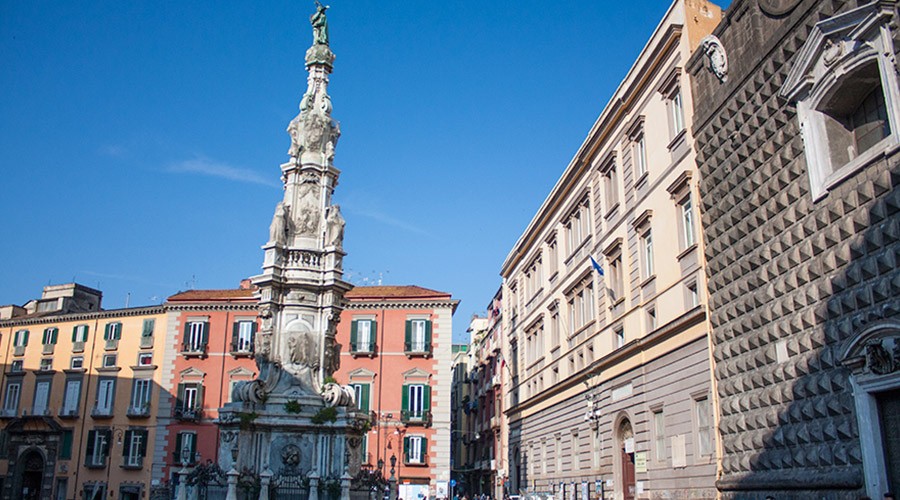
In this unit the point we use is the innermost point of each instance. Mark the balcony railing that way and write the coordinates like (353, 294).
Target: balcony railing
(19, 350)
(182, 458)
(48, 348)
(77, 346)
(68, 413)
(417, 348)
(133, 463)
(8, 413)
(97, 412)
(147, 341)
(242, 348)
(139, 411)
(95, 462)
(41, 412)
(189, 413)
(363, 348)
(112, 344)
(414, 417)
(193, 350)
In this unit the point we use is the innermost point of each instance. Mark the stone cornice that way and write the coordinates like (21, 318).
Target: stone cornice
(401, 304)
(84, 316)
(212, 307)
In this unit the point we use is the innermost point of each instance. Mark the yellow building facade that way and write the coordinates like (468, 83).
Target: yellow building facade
(79, 390)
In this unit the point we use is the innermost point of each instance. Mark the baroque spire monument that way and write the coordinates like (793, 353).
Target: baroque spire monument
(293, 420)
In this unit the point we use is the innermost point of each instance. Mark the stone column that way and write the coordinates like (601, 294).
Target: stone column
(345, 486)
(265, 479)
(313, 486)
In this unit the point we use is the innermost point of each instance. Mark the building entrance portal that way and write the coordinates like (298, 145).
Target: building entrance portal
(889, 413)
(32, 475)
(626, 444)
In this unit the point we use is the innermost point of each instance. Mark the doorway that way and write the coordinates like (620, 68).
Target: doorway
(626, 448)
(889, 414)
(32, 475)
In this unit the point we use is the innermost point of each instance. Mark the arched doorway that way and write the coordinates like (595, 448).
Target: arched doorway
(626, 460)
(32, 473)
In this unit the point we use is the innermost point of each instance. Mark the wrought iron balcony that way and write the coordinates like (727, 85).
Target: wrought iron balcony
(77, 346)
(112, 344)
(68, 413)
(48, 348)
(141, 411)
(363, 348)
(412, 417)
(417, 348)
(133, 462)
(97, 412)
(189, 349)
(95, 462)
(147, 341)
(19, 350)
(188, 413)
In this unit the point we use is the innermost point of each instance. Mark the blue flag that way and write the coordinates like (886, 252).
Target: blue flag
(596, 266)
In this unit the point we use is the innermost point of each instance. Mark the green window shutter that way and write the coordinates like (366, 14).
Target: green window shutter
(193, 448)
(252, 335)
(235, 335)
(118, 331)
(179, 401)
(428, 335)
(406, 449)
(372, 334)
(149, 324)
(364, 397)
(55, 336)
(187, 334)
(408, 334)
(426, 398)
(405, 398)
(177, 452)
(107, 442)
(65, 447)
(354, 335)
(199, 402)
(26, 338)
(89, 448)
(206, 333)
(74, 333)
(45, 335)
(126, 446)
(424, 450)
(144, 437)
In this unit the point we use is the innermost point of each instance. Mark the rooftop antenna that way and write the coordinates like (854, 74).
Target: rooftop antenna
(127, 299)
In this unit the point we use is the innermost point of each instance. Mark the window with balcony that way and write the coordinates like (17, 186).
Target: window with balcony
(189, 404)
(79, 337)
(134, 448)
(196, 338)
(140, 398)
(415, 450)
(416, 404)
(185, 448)
(71, 398)
(106, 394)
(49, 339)
(147, 332)
(97, 448)
(362, 336)
(11, 400)
(20, 341)
(242, 336)
(112, 333)
(418, 336)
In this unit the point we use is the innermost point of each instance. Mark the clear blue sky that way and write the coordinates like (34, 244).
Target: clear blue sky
(141, 141)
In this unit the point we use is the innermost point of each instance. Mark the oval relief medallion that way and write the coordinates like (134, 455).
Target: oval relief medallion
(777, 7)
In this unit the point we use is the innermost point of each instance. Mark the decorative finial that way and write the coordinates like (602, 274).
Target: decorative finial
(319, 24)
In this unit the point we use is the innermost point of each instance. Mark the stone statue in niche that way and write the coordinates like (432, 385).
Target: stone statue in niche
(334, 227)
(278, 228)
(332, 356)
(879, 359)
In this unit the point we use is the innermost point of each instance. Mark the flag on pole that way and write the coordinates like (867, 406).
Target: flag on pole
(596, 266)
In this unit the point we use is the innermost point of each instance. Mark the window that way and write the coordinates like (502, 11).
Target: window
(109, 361)
(651, 319)
(580, 299)
(149, 325)
(106, 394)
(362, 336)
(71, 398)
(113, 331)
(243, 335)
(62, 488)
(616, 277)
(185, 448)
(11, 401)
(79, 337)
(190, 401)
(135, 447)
(418, 336)
(659, 435)
(17, 366)
(554, 330)
(361, 392)
(619, 334)
(46, 364)
(20, 338)
(687, 222)
(845, 87)
(196, 335)
(676, 111)
(610, 186)
(140, 397)
(416, 403)
(640, 155)
(50, 336)
(704, 434)
(692, 295)
(145, 359)
(415, 449)
(94, 491)
(647, 254)
(97, 448)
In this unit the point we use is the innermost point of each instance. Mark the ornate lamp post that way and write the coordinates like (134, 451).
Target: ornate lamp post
(393, 480)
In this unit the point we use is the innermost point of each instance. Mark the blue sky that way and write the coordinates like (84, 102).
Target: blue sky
(141, 141)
